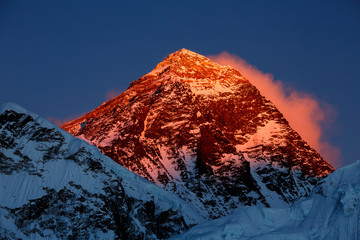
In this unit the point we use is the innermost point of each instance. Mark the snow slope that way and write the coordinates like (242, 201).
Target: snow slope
(331, 212)
(55, 186)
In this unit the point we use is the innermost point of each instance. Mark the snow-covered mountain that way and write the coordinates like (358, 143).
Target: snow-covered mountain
(332, 212)
(205, 133)
(55, 186)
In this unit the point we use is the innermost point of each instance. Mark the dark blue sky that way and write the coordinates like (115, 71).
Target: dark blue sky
(60, 58)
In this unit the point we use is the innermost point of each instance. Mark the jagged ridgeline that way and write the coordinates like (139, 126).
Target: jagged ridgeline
(55, 186)
(205, 133)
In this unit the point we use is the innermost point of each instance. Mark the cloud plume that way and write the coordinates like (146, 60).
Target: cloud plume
(304, 112)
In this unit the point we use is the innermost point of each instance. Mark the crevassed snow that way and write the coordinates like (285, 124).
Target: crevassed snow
(331, 212)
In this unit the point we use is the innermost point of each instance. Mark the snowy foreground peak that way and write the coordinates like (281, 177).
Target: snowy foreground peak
(331, 212)
(13, 107)
(55, 186)
(205, 133)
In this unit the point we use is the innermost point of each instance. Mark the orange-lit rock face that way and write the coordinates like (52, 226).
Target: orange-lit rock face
(203, 131)
(305, 113)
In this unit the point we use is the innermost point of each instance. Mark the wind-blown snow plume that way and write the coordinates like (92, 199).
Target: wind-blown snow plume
(303, 111)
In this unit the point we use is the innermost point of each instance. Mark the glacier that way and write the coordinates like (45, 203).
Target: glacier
(331, 212)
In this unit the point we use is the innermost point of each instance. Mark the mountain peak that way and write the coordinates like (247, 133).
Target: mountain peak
(186, 59)
(185, 51)
(12, 107)
(204, 132)
(189, 55)
(196, 71)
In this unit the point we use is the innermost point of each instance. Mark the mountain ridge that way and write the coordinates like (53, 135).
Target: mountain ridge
(160, 69)
(204, 132)
(55, 186)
